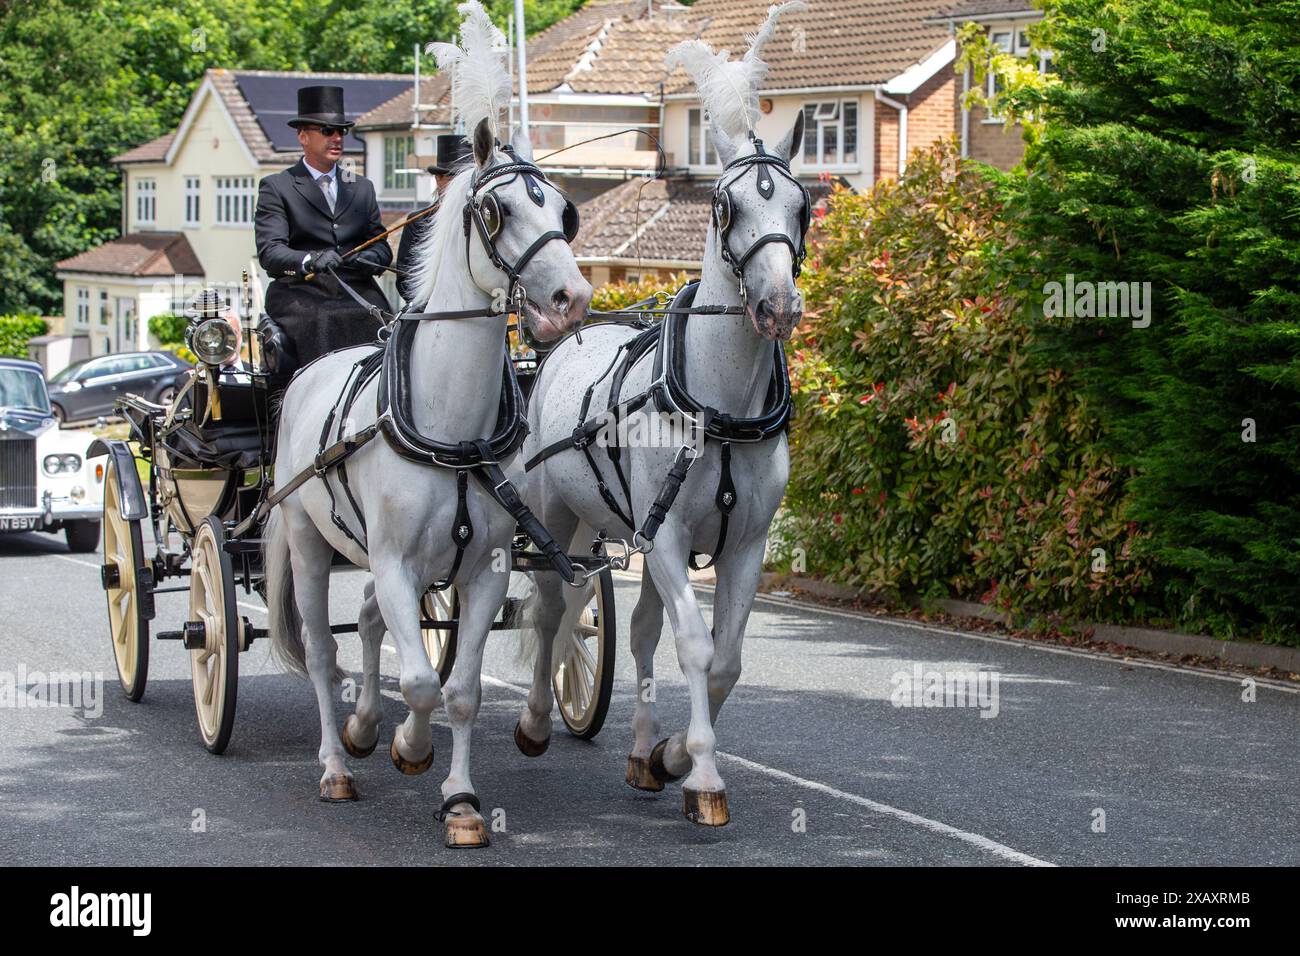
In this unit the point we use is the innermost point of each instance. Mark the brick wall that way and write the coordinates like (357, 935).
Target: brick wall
(886, 159)
(931, 110)
(993, 143)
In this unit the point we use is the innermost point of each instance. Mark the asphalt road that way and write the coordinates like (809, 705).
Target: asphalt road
(1184, 770)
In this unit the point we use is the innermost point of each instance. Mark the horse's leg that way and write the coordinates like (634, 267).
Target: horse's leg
(398, 596)
(703, 792)
(480, 600)
(310, 556)
(739, 570)
(647, 625)
(558, 609)
(361, 729)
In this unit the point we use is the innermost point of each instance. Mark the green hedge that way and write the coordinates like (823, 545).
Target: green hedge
(619, 295)
(932, 453)
(168, 328)
(17, 330)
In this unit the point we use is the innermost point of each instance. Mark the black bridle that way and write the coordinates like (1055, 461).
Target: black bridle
(488, 215)
(763, 163)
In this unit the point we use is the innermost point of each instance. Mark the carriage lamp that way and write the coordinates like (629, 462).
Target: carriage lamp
(61, 464)
(214, 342)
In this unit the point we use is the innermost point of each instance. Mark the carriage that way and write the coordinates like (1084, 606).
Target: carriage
(197, 474)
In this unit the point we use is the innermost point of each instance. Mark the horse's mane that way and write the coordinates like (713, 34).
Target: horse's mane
(436, 246)
(729, 88)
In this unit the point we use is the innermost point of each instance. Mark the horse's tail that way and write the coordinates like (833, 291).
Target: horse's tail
(285, 625)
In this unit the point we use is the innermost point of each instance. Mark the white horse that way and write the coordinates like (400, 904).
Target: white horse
(728, 365)
(409, 509)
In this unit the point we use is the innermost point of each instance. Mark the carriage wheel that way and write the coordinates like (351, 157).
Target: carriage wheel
(583, 664)
(440, 642)
(123, 562)
(214, 651)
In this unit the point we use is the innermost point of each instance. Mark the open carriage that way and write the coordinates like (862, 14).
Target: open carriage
(184, 498)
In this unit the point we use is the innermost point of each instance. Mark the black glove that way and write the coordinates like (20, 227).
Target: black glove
(324, 261)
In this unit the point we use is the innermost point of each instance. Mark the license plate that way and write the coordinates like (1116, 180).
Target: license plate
(18, 524)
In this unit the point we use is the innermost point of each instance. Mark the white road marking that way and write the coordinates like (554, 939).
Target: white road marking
(1232, 677)
(925, 823)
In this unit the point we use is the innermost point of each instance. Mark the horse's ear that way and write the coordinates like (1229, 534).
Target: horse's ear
(722, 143)
(522, 145)
(484, 143)
(790, 144)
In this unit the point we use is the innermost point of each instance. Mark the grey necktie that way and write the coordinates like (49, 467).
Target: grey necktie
(327, 187)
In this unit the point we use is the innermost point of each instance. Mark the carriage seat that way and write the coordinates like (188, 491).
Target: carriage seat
(235, 441)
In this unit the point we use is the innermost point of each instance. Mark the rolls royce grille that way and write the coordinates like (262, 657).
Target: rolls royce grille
(18, 473)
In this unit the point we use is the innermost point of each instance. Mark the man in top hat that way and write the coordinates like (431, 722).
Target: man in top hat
(453, 151)
(308, 217)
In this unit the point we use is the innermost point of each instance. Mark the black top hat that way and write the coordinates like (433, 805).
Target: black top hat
(453, 149)
(320, 106)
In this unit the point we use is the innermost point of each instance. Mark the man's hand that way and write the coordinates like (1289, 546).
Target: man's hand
(324, 261)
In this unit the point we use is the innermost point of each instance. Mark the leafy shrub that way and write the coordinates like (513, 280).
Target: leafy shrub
(16, 330)
(932, 453)
(619, 295)
(168, 328)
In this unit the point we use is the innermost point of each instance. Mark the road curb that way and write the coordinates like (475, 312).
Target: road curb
(1238, 653)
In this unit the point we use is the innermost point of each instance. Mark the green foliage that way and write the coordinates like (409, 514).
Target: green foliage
(168, 328)
(182, 351)
(1169, 154)
(82, 81)
(619, 295)
(16, 330)
(932, 452)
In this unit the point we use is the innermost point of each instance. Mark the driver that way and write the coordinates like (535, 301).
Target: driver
(308, 217)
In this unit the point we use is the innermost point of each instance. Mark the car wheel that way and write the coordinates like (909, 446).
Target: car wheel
(82, 536)
(166, 396)
(59, 415)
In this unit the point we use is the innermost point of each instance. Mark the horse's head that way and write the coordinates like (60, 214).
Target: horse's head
(520, 227)
(760, 215)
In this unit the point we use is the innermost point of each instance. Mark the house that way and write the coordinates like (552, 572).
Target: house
(188, 200)
(986, 138)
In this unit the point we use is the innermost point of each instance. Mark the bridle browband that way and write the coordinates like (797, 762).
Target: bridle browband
(722, 209)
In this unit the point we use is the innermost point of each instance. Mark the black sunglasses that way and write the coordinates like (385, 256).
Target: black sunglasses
(328, 131)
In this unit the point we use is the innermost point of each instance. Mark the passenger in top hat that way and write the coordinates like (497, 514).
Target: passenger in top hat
(308, 217)
(453, 151)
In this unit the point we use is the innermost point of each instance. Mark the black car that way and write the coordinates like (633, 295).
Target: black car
(88, 389)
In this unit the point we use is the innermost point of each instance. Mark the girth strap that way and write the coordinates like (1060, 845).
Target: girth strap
(725, 500)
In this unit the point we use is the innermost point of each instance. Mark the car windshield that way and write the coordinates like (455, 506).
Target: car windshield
(23, 390)
(66, 374)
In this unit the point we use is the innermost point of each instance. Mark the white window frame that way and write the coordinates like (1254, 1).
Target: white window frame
(396, 151)
(235, 201)
(705, 155)
(193, 202)
(83, 305)
(146, 202)
(832, 113)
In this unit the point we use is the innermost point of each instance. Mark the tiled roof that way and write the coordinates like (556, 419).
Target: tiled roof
(618, 55)
(667, 221)
(138, 254)
(397, 111)
(151, 152)
(967, 9)
(833, 43)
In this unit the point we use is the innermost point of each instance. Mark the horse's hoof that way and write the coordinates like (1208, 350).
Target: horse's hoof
(708, 808)
(640, 776)
(351, 747)
(337, 788)
(465, 831)
(406, 766)
(657, 768)
(527, 746)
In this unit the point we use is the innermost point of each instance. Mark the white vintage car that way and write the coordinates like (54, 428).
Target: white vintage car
(47, 482)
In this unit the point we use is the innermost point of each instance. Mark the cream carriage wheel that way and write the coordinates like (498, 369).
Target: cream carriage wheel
(212, 636)
(440, 642)
(123, 563)
(583, 664)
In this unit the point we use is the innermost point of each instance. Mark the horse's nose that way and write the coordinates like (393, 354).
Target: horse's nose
(572, 302)
(777, 314)
(560, 301)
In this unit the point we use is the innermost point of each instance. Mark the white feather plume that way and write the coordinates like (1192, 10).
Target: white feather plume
(729, 88)
(480, 85)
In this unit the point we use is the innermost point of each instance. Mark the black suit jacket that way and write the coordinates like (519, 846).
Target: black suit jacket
(293, 219)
